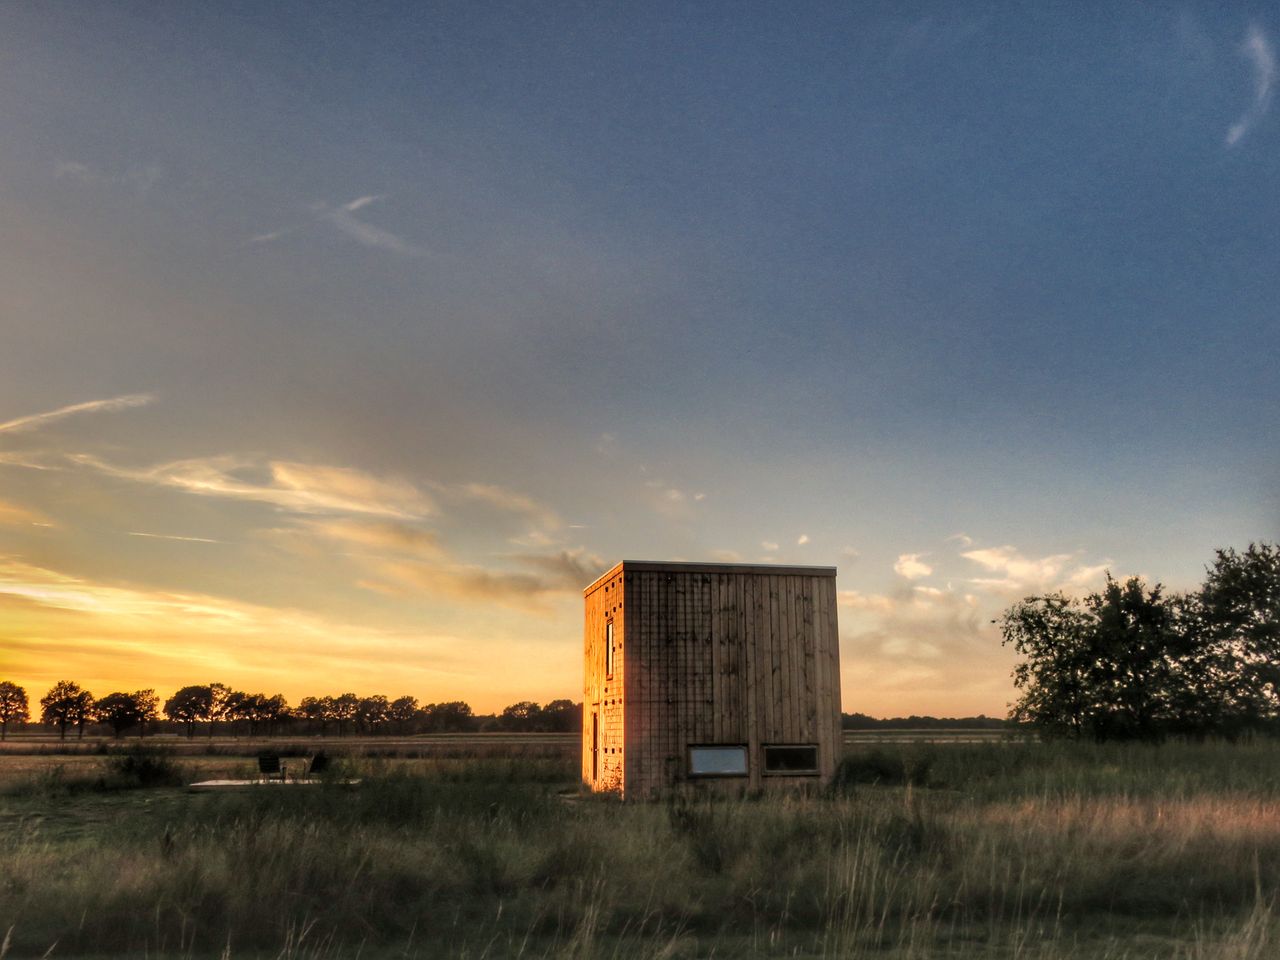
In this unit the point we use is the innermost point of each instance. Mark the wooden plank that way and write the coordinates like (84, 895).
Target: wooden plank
(791, 711)
(821, 675)
(638, 734)
(711, 657)
(782, 639)
(829, 651)
(808, 659)
(753, 671)
(734, 709)
(670, 641)
(777, 728)
(717, 627)
(680, 651)
(833, 649)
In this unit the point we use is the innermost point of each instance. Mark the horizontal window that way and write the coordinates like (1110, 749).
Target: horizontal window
(791, 758)
(718, 761)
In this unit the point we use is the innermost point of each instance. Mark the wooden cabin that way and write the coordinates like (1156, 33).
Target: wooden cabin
(707, 675)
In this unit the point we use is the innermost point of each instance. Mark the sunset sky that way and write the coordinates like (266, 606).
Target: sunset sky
(341, 345)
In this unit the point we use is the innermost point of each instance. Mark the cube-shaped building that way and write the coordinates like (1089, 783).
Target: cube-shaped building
(720, 675)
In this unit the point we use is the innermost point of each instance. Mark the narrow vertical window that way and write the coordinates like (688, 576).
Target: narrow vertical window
(608, 649)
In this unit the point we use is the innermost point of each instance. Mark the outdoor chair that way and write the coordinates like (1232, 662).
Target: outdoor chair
(269, 766)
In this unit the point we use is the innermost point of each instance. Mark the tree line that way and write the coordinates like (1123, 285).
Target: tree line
(216, 706)
(861, 721)
(1136, 663)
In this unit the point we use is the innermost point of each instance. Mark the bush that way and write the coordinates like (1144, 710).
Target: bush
(142, 767)
(878, 766)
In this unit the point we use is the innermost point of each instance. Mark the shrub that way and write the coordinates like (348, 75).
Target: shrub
(142, 767)
(878, 766)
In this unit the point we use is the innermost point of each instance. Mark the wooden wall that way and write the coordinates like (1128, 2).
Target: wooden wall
(602, 697)
(720, 654)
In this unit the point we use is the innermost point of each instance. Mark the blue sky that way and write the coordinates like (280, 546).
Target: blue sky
(429, 310)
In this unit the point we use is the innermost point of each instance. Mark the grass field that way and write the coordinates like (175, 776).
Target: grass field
(955, 850)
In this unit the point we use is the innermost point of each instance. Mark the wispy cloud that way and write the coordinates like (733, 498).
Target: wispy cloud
(12, 514)
(802, 540)
(37, 420)
(273, 235)
(367, 235)
(503, 498)
(391, 536)
(1257, 49)
(171, 536)
(359, 202)
(343, 219)
(140, 177)
(298, 487)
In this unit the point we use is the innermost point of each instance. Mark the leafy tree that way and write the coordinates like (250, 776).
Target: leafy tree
(523, 716)
(120, 711)
(66, 704)
(344, 709)
(1131, 663)
(452, 717)
(1239, 610)
(148, 705)
(189, 705)
(13, 706)
(402, 710)
(1113, 667)
(272, 711)
(373, 712)
(220, 704)
(257, 710)
(562, 716)
(316, 708)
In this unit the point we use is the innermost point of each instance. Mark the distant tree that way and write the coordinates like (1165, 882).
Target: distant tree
(220, 705)
(120, 711)
(148, 705)
(402, 711)
(373, 712)
(13, 706)
(523, 716)
(257, 711)
(275, 711)
(344, 709)
(237, 706)
(452, 717)
(315, 709)
(561, 716)
(189, 706)
(66, 704)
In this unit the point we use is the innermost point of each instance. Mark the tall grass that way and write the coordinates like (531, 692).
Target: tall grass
(982, 851)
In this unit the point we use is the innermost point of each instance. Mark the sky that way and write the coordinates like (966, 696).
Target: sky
(341, 345)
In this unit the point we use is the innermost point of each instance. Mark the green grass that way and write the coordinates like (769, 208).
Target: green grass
(1033, 851)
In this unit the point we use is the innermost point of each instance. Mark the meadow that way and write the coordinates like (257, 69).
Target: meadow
(922, 850)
